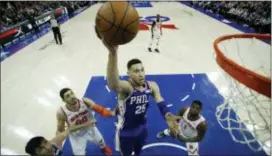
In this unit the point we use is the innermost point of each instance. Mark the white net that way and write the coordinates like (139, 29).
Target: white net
(245, 113)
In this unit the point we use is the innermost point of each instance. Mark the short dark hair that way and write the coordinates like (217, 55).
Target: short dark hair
(33, 144)
(199, 103)
(132, 62)
(63, 91)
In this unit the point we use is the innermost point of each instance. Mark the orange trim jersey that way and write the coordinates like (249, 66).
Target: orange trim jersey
(187, 127)
(82, 115)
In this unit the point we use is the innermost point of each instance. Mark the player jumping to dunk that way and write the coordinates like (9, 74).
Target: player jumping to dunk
(191, 126)
(133, 102)
(156, 33)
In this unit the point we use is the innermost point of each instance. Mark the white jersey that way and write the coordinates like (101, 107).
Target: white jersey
(79, 138)
(157, 27)
(187, 127)
(82, 115)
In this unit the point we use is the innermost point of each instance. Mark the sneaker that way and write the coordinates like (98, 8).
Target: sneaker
(157, 50)
(160, 135)
(149, 49)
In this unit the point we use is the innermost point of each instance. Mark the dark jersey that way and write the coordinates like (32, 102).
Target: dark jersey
(132, 110)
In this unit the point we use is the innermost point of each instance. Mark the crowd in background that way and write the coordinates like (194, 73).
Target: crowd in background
(13, 12)
(254, 14)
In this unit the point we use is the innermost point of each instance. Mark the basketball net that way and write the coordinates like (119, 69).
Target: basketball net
(245, 112)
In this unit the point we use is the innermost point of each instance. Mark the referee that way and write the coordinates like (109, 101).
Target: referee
(56, 29)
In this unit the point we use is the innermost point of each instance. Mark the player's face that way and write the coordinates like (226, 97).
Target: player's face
(137, 74)
(195, 109)
(46, 148)
(70, 98)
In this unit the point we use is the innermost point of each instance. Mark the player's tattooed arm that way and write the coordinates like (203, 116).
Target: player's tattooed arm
(202, 128)
(60, 121)
(98, 108)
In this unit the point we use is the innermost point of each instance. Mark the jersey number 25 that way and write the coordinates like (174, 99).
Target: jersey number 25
(140, 109)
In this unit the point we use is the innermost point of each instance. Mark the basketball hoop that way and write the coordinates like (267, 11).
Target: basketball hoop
(245, 112)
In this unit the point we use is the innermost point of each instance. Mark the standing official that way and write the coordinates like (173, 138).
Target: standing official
(56, 29)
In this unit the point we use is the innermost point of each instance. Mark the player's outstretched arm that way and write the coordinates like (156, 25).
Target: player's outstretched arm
(201, 130)
(98, 108)
(170, 118)
(159, 99)
(60, 121)
(59, 138)
(112, 71)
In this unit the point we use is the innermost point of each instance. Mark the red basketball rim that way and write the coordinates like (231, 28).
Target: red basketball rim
(251, 79)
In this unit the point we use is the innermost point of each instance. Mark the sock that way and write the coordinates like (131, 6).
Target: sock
(166, 132)
(150, 44)
(157, 44)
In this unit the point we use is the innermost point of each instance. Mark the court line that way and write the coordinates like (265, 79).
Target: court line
(107, 88)
(193, 87)
(186, 97)
(164, 144)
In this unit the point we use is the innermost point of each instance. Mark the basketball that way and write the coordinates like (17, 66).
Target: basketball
(117, 22)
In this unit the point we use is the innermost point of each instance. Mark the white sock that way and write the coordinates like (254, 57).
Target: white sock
(166, 132)
(157, 44)
(150, 44)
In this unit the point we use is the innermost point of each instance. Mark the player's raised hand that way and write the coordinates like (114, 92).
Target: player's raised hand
(171, 121)
(112, 48)
(171, 117)
(173, 128)
(113, 113)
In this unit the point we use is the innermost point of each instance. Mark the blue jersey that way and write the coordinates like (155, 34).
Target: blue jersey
(132, 110)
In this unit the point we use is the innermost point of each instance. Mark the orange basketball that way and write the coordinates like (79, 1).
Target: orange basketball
(117, 22)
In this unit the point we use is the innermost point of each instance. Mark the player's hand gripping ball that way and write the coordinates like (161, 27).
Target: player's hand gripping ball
(117, 22)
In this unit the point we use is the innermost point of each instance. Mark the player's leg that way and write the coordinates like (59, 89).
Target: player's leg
(140, 142)
(95, 136)
(150, 44)
(78, 144)
(59, 35)
(158, 36)
(192, 148)
(124, 144)
(55, 35)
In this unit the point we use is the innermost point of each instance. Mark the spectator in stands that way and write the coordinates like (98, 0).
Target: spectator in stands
(248, 13)
(56, 29)
(13, 12)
